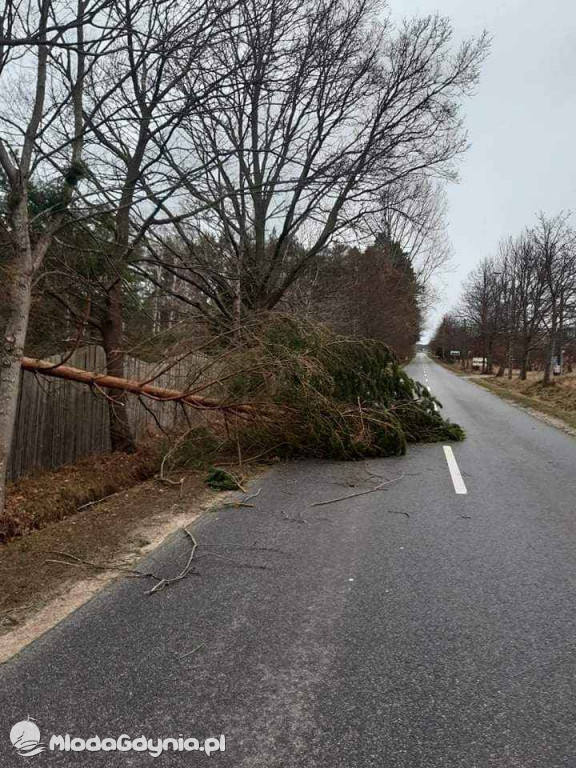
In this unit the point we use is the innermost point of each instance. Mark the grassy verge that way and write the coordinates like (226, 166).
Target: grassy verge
(557, 401)
(42, 498)
(536, 403)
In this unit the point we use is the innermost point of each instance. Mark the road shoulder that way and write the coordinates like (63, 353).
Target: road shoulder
(119, 531)
(555, 417)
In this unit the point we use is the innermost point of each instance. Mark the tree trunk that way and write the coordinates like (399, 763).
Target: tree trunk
(549, 357)
(18, 291)
(120, 433)
(524, 364)
(489, 360)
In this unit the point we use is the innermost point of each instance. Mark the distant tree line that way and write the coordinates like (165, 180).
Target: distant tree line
(518, 308)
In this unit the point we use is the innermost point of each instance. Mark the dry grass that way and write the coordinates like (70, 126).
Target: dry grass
(557, 400)
(37, 500)
(560, 394)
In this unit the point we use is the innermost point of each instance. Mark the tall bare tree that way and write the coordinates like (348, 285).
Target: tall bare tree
(335, 107)
(555, 243)
(413, 214)
(36, 43)
(135, 102)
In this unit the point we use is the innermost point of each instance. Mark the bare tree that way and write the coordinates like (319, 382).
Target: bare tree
(134, 106)
(413, 215)
(334, 108)
(555, 243)
(482, 308)
(35, 43)
(529, 296)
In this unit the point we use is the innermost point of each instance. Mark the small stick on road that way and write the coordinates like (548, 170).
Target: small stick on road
(240, 563)
(192, 651)
(355, 495)
(182, 575)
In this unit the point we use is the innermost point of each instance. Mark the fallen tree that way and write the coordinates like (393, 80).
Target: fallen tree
(290, 389)
(335, 397)
(102, 381)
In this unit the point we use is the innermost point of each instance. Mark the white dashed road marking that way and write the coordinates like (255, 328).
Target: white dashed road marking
(455, 474)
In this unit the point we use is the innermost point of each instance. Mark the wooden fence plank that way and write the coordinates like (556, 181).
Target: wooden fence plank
(59, 421)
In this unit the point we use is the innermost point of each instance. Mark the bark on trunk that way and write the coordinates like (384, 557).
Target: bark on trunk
(19, 272)
(490, 360)
(510, 358)
(121, 438)
(102, 380)
(549, 356)
(524, 363)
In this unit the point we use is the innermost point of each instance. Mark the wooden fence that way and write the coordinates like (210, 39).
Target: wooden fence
(60, 421)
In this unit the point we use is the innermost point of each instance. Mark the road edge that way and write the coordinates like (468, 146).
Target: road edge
(529, 405)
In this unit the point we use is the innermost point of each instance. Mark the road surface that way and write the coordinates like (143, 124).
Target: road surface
(428, 625)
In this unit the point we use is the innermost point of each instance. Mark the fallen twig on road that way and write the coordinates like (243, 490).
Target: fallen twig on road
(243, 502)
(182, 575)
(360, 493)
(238, 504)
(394, 512)
(232, 560)
(198, 647)
(161, 581)
(252, 496)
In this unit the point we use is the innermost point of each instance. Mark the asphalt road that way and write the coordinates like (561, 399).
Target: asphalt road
(414, 627)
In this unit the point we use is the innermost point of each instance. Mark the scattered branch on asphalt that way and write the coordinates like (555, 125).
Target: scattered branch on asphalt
(162, 582)
(379, 487)
(198, 647)
(240, 563)
(394, 512)
(243, 502)
(373, 474)
(238, 504)
(252, 496)
(182, 575)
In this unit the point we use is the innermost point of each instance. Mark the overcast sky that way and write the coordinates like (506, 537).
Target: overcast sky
(521, 123)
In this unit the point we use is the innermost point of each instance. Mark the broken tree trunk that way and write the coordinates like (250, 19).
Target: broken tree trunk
(104, 381)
